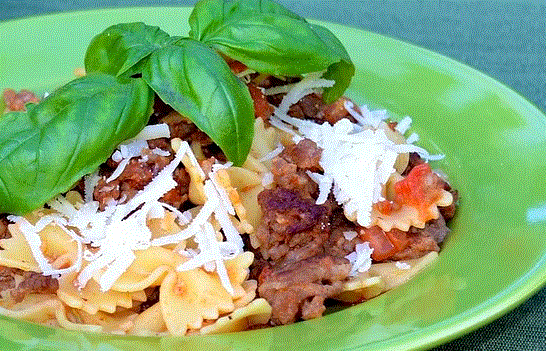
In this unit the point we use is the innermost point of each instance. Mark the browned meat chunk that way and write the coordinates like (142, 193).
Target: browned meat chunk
(338, 244)
(136, 175)
(414, 160)
(31, 283)
(17, 101)
(289, 168)
(448, 212)
(300, 261)
(286, 175)
(335, 111)
(305, 155)
(7, 277)
(311, 107)
(299, 289)
(34, 283)
(292, 227)
(423, 241)
(262, 108)
(4, 232)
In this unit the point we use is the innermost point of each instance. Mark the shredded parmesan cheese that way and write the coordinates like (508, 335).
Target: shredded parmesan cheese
(360, 259)
(350, 235)
(402, 265)
(357, 158)
(114, 234)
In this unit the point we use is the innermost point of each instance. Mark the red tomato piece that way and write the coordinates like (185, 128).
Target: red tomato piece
(262, 108)
(420, 189)
(382, 247)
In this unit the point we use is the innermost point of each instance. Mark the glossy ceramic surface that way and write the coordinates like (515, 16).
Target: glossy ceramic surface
(495, 147)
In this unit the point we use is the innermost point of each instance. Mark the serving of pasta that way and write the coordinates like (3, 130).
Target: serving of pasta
(174, 234)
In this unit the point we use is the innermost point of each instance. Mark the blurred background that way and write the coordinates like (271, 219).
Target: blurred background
(504, 39)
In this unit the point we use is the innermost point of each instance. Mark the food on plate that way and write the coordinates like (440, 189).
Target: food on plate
(213, 183)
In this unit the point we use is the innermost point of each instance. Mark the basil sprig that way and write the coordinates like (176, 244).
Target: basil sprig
(271, 39)
(198, 83)
(47, 149)
(189, 76)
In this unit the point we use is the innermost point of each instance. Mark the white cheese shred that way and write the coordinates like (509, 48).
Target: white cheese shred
(274, 153)
(357, 158)
(360, 259)
(121, 229)
(402, 265)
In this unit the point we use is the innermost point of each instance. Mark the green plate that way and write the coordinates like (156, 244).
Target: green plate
(495, 147)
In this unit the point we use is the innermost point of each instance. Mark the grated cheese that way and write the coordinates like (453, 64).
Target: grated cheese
(154, 131)
(114, 234)
(402, 265)
(360, 259)
(403, 125)
(135, 146)
(274, 153)
(267, 179)
(357, 158)
(90, 182)
(32, 236)
(350, 235)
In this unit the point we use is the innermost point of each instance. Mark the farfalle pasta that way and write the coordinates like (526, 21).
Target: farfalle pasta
(192, 226)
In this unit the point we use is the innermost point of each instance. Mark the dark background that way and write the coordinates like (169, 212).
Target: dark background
(504, 39)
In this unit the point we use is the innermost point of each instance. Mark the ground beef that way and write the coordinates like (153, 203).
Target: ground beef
(289, 168)
(292, 227)
(17, 101)
(31, 283)
(138, 174)
(299, 289)
(338, 245)
(300, 260)
(286, 175)
(34, 283)
(152, 297)
(448, 212)
(184, 129)
(7, 277)
(305, 155)
(423, 241)
(4, 232)
(312, 107)
(414, 160)
(262, 108)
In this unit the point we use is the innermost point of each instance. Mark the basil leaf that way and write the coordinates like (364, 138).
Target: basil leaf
(48, 148)
(209, 15)
(341, 72)
(2, 106)
(120, 47)
(270, 39)
(198, 83)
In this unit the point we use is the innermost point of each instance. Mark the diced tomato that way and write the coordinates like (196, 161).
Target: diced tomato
(262, 108)
(420, 189)
(236, 66)
(17, 101)
(398, 238)
(382, 247)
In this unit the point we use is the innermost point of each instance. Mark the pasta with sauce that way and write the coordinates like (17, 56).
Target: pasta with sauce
(295, 245)
(329, 203)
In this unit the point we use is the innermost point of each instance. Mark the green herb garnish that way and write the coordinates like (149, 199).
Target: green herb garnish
(48, 148)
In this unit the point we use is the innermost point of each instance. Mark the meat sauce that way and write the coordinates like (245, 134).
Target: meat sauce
(300, 262)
